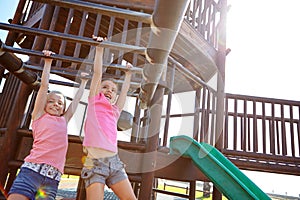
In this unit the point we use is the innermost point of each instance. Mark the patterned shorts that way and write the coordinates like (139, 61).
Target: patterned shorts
(107, 171)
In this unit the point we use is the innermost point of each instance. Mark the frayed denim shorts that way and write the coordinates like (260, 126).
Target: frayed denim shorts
(107, 171)
(34, 185)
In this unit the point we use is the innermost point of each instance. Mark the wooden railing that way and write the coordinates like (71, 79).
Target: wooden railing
(265, 130)
(204, 17)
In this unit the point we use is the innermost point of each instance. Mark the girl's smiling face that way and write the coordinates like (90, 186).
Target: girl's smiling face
(109, 89)
(55, 104)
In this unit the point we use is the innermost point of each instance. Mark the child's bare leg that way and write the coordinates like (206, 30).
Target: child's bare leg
(17, 197)
(123, 190)
(95, 191)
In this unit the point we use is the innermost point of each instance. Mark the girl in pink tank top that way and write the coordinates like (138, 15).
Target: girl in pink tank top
(102, 164)
(43, 167)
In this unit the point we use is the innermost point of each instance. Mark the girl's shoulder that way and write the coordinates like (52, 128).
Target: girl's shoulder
(47, 116)
(97, 96)
(40, 117)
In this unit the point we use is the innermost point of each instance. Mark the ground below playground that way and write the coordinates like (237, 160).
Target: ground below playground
(68, 186)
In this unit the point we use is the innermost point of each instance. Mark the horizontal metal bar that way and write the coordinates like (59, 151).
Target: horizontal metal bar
(63, 83)
(40, 54)
(59, 71)
(51, 34)
(123, 68)
(64, 58)
(74, 73)
(101, 9)
(124, 47)
(190, 75)
(72, 38)
(134, 85)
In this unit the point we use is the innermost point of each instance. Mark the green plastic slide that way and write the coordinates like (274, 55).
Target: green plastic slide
(229, 180)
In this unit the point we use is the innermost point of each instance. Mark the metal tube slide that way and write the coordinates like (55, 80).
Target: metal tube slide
(166, 21)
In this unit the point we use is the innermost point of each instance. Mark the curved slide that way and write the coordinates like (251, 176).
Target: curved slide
(233, 183)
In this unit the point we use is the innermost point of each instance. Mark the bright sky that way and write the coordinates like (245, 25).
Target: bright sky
(263, 36)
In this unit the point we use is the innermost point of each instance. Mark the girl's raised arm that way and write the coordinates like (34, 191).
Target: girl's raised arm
(41, 98)
(125, 87)
(98, 64)
(74, 104)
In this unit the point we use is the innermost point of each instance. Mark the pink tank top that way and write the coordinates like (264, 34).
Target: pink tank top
(50, 141)
(101, 124)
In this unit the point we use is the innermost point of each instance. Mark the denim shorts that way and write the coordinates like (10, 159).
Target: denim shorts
(34, 185)
(107, 171)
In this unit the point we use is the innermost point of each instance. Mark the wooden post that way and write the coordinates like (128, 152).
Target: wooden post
(221, 56)
(152, 144)
(192, 193)
(10, 138)
(39, 42)
(16, 20)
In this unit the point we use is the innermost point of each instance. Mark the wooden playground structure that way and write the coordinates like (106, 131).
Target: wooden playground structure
(177, 49)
